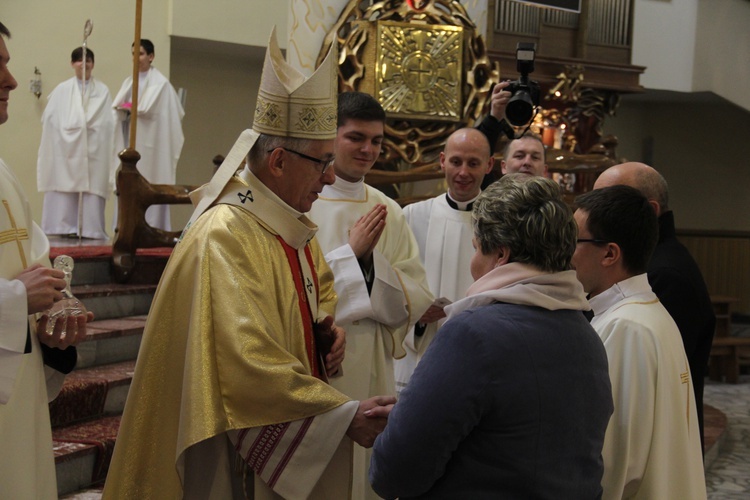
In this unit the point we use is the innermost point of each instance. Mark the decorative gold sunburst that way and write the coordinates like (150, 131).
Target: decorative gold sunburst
(419, 71)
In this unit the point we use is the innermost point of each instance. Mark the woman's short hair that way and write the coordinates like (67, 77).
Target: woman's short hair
(528, 216)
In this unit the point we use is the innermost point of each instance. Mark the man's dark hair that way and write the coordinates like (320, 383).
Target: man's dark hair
(4, 31)
(77, 55)
(622, 215)
(147, 45)
(359, 106)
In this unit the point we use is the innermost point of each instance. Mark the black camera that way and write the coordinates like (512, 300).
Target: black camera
(525, 92)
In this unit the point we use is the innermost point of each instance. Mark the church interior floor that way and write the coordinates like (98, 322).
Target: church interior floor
(728, 476)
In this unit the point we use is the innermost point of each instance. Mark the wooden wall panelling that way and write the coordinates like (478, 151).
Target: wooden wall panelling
(724, 260)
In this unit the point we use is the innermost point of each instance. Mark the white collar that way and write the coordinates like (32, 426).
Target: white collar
(618, 292)
(343, 190)
(463, 205)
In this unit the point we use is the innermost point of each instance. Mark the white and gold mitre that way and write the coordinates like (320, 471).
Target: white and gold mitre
(290, 105)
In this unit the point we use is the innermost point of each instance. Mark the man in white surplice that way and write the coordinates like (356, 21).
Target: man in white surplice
(75, 154)
(443, 230)
(32, 362)
(159, 138)
(652, 445)
(377, 271)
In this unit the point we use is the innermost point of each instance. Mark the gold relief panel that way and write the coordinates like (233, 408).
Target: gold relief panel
(419, 70)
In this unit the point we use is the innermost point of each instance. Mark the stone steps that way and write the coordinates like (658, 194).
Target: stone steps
(129, 299)
(83, 452)
(111, 340)
(86, 414)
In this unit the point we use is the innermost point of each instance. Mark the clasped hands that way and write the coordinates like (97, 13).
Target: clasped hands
(44, 287)
(370, 419)
(366, 232)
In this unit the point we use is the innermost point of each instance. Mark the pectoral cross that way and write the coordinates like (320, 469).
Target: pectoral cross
(14, 234)
(685, 378)
(247, 196)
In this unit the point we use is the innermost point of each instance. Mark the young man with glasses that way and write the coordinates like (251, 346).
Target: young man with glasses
(374, 257)
(652, 445)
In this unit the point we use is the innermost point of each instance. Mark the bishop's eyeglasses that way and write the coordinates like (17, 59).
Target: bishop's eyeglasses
(324, 165)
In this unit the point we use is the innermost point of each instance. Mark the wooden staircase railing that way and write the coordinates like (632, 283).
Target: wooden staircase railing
(134, 195)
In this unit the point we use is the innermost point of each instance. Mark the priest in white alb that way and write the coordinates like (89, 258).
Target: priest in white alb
(74, 167)
(159, 139)
(32, 362)
(443, 229)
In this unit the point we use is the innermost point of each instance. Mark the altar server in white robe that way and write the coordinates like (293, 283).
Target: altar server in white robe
(74, 165)
(159, 136)
(652, 445)
(443, 230)
(27, 286)
(377, 271)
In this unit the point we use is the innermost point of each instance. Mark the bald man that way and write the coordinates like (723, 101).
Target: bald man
(673, 273)
(443, 230)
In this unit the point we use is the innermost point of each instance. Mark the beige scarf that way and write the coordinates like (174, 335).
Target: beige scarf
(522, 284)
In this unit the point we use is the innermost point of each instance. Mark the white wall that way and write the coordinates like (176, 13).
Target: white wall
(694, 45)
(664, 42)
(246, 22)
(722, 56)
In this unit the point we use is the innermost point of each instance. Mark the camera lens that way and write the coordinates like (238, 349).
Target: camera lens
(519, 109)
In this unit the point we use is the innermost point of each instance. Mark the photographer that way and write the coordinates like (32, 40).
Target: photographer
(512, 104)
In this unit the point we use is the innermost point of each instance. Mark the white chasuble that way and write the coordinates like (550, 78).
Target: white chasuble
(375, 323)
(444, 237)
(26, 462)
(652, 445)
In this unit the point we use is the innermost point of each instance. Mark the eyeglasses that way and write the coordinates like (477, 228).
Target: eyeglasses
(324, 164)
(591, 240)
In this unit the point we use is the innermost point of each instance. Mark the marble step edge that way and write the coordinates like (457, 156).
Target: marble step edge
(111, 289)
(76, 459)
(115, 374)
(115, 327)
(90, 393)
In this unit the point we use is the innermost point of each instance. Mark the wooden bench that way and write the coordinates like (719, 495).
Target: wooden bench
(726, 354)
